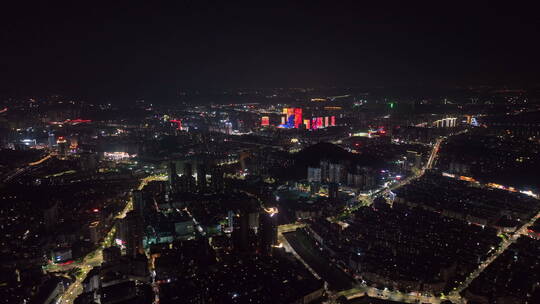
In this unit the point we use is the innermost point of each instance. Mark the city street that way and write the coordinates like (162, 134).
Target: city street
(29, 166)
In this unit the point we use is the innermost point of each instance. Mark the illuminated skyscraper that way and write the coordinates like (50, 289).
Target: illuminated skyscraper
(130, 231)
(292, 119)
(319, 122)
(297, 117)
(265, 121)
(62, 146)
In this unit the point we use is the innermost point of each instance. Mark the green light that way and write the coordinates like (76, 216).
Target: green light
(392, 104)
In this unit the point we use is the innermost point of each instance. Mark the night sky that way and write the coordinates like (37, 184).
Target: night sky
(135, 51)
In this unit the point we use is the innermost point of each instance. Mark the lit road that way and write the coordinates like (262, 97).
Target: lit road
(41, 160)
(95, 258)
(28, 166)
(433, 154)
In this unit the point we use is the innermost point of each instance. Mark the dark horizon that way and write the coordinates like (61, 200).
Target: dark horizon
(149, 51)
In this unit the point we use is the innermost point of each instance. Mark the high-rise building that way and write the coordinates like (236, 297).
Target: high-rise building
(51, 140)
(201, 176)
(62, 146)
(448, 122)
(241, 233)
(187, 183)
(93, 231)
(325, 173)
(50, 215)
(333, 190)
(138, 202)
(297, 117)
(319, 122)
(111, 254)
(265, 121)
(188, 169)
(172, 176)
(217, 181)
(336, 173)
(267, 232)
(230, 220)
(414, 160)
(254, 220)
(314, 174)
(130, 231)
(292, 118)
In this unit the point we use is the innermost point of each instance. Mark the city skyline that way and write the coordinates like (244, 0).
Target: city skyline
(154, 51)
